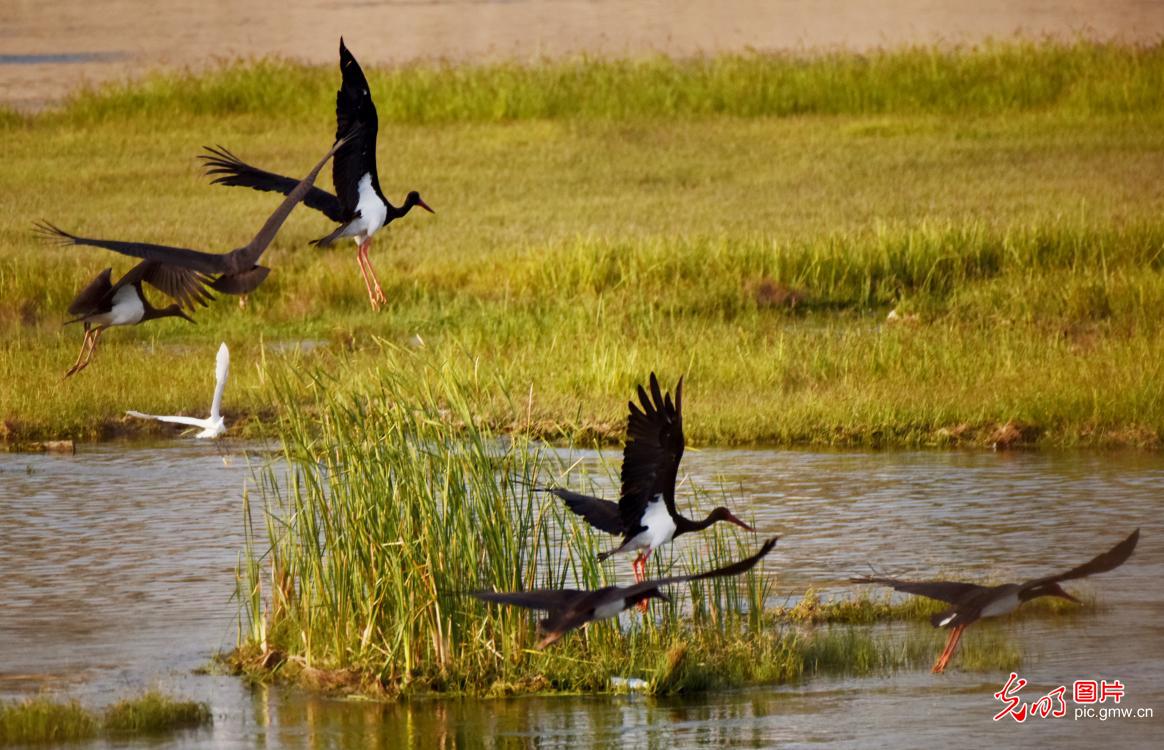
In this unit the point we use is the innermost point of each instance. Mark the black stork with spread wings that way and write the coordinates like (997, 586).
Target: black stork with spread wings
(103, 304)
(645, 515)
(358, 206)
(969, 602)
(237, 272)
(571, 608)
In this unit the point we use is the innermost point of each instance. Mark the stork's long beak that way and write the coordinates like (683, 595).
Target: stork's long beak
(740, 523)
(424, 205)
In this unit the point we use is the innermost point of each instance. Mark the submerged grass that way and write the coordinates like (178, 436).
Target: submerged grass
(44, 720)
(748, 221)
(400, 502)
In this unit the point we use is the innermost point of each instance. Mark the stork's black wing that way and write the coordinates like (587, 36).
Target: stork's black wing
(654, 447)
(195, 260)
(354, 107)
(548, 600)
(228, 169)
(93, 295)
(601, 514)
(188, 288)
(1110, 560)
(950, 592)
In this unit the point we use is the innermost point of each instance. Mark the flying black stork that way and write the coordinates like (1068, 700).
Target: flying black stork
(103, 304)
(571, 608)
(645, 514)
(358, 206)
(969, 602)
(237, 271)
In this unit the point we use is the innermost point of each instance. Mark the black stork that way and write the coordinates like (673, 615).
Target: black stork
(571, 608)
(969, 602)
(103, 304)
(238, 271)
(645, 514)
(358, 206)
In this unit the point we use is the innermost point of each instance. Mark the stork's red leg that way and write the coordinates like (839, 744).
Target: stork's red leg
(644, 604)
(951, 647)
(87, 357)
(80, 355)
(380, 298)
(362, 259)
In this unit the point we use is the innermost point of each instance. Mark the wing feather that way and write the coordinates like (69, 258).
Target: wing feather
(189, 421)
(228, 169)
(91, 297)
(354, 108)
(601, 514)
(1110, 560)
(654, 448)
(548, 600)
(950, 592)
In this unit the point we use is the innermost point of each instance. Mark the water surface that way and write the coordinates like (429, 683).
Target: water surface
(117, 571)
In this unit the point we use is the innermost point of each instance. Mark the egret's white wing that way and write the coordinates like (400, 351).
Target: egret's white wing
(223, 366)
(191, 421)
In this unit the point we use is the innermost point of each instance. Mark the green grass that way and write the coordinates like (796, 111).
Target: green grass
(864, 608)
(1083, 77)
(746, 221)
(400, 502)
(154, 712)
(44, 720)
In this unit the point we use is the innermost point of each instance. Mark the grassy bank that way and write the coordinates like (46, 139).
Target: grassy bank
(747, 221)
(43, 720)
(400, 503)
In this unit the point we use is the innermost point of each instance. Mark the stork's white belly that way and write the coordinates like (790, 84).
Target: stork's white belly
(606, 611)
(127, 309)
(372, 210)
(1003, 606)
(660, 527)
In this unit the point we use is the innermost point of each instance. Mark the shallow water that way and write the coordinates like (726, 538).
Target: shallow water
(116, 39)
(117, 570)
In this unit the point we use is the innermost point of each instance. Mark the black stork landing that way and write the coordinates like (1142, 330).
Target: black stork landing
(571, 608)
(969, 602)
(645, 514)
(238, 272)
(359, 206)
(103, 304)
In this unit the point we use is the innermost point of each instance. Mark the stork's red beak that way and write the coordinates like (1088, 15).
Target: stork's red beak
(740, 523)
(424, 205)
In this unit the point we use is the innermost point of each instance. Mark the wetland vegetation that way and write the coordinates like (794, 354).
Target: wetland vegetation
(45, 720)
(748, 220)
(400, 502)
